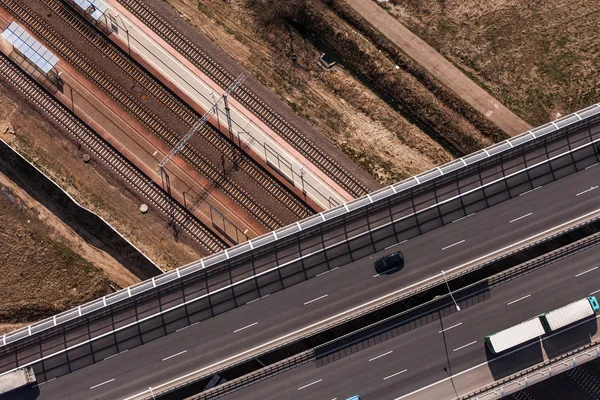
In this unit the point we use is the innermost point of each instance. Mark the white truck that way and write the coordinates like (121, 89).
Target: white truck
(16, 379)
(569, 314)
(515, 335)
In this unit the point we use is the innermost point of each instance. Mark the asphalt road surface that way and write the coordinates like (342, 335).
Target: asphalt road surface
(450, 344)
(296, 310)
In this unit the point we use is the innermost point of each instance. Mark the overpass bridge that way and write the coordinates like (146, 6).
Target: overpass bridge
(448, 218)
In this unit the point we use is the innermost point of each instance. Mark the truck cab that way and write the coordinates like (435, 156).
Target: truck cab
(355, 397)
(594, 303)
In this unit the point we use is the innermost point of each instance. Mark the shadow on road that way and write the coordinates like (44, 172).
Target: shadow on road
(504, 364)
(570, 339)
(26, 393)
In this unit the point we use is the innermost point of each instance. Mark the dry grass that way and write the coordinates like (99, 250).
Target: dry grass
(93, 186)
(41, 274)
(372, 133)
(539, 58)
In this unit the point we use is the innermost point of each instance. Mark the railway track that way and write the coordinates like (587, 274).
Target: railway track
(185, 113)
(149, 119)
(246, 97)
(104, 152)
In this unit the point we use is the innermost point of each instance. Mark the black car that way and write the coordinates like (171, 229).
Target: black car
(389, 262)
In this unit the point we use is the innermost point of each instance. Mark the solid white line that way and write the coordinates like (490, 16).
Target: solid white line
(450, 327)
(516, 219)
(175, 355)
(393, 375)
(43, 383)
(389, 247)
(326, 272)
(466, 345)
(452, 245)
(305, 386)
(585, 191)
(592, 166)
(381, 355)
(103, 383)
(318, 298)
(246, 327)
(185, 327)
(595, 292)
(311, 326)
(522, 298)
(114, 355)
(252, 301)
(195, 263)
(585, 272)
(488, 362)
(461, 218)
(529, 191)
(358, 307)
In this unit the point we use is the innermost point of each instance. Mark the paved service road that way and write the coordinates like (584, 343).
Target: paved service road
(437, 65)
(452, 342)
(295, 310)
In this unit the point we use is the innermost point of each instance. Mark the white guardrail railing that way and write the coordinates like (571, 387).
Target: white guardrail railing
(539, 373)
(296, 227)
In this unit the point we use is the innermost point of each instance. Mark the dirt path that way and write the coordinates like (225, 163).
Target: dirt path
(440, 67)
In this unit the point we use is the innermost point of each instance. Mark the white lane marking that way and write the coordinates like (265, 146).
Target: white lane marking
(389, 247)
(393, 375)
(185, 327)
(252, 301)
(585, 191)
(595, 292)
(519, 299)
(592, 166)
(318, 298)
(103, 383)
(350, 310)
(537, 343)
(585, 272)
(461, 218)
(175, 355)
(195, 264)
(529, 191)
(310, 384)
(450, 327)
(114, 355)
(326, 272)
(43, 383)
(246, 327)
(452, 245)
(466, 345)
(516, 219)
(381, 355)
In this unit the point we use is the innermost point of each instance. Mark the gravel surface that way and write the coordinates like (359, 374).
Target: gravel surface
(234, 68)
(171, 120)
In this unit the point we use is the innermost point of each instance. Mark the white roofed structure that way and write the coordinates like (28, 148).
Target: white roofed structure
(568, 314)
(30, 47)
(516, 335)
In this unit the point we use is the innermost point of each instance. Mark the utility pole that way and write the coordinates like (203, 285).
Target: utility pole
(200, 123)
(450, 291)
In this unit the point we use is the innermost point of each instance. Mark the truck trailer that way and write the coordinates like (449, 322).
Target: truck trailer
(16, 379)
(515, 335)
(569, 314)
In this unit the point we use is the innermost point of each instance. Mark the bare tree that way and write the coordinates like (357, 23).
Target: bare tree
(270, 11)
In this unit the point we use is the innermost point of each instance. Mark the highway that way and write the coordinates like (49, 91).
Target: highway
(451, 343)
(338, 293)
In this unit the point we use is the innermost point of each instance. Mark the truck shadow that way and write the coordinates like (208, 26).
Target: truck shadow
(565, 340)
(25, 393)
(505, 364)
(556, 344)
